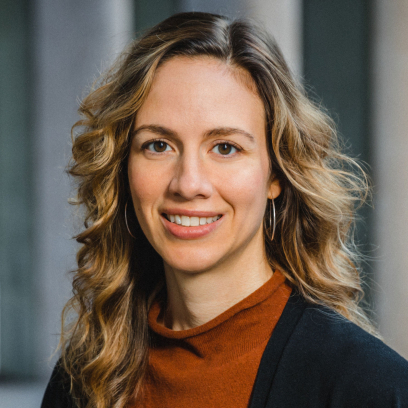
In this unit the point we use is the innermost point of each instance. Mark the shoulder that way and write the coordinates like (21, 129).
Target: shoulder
(342, 364)
(334, 338)
(57, 393)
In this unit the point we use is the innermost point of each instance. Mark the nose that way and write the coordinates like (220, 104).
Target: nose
(190, 179)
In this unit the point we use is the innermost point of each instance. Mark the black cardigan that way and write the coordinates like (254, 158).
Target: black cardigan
(315, 358)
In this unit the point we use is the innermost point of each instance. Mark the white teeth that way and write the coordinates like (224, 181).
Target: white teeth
(186, 221)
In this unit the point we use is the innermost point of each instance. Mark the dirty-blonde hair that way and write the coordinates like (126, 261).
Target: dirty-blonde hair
(105, 347)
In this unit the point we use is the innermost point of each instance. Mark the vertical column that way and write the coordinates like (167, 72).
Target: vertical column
(16, 300)
(283, 19)
(390, 167)
(336, 67)
(73, 41)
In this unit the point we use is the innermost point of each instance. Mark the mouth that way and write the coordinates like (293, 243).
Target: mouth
(187, 221)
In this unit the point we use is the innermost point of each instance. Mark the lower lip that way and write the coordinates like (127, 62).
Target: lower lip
(182, 232)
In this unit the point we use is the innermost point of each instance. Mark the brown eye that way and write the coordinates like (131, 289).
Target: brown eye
(158, 146)
(225, 149)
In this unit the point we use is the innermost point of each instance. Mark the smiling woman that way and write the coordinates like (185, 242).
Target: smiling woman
(199, 150)
(217, 267)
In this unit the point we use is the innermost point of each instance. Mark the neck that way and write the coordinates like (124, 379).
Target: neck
(195, 298)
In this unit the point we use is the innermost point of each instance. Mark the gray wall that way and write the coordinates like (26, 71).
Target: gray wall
(336, 70)
(390, 166)
(232, 8)
(16, 189)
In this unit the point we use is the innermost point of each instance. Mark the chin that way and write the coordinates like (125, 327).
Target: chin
(191, 261)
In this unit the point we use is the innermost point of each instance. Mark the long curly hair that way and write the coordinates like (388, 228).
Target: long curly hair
(105, 342)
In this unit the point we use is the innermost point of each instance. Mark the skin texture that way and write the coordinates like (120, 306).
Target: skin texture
(191, 97)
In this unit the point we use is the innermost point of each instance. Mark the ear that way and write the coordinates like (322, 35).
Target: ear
(274, 189)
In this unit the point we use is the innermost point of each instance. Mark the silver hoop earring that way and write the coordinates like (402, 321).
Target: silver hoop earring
(126, 221)
(272, 224)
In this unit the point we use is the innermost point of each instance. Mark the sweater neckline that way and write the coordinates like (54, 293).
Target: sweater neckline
(255, 298)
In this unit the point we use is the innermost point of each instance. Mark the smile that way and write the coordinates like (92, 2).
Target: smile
(186, 221)
(188, 227)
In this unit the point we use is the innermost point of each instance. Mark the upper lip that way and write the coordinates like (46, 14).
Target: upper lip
(190, 213)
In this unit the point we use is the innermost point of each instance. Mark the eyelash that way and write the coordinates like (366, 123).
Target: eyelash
(218, 143)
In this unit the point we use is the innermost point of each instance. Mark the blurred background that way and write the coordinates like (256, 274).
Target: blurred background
(352, 56)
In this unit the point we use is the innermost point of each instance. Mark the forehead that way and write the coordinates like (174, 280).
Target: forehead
(202, 91)
(240, 74)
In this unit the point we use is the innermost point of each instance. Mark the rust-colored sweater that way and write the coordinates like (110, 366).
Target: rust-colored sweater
(213, 365)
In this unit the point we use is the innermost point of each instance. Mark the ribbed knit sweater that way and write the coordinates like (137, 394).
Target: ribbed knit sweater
(215, 364)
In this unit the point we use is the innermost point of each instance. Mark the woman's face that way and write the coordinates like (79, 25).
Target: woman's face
(198, 166)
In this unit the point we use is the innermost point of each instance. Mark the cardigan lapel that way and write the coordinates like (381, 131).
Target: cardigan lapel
(274, 349)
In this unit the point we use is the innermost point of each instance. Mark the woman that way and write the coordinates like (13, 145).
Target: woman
(217, 266)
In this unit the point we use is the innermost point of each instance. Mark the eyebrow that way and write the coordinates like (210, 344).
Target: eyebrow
(220, 131)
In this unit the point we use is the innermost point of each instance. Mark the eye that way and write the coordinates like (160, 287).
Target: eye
(225, 149)
(158, 146)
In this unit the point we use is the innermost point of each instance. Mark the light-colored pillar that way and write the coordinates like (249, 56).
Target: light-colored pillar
(74, 40)
(283, 19)
(390, 168)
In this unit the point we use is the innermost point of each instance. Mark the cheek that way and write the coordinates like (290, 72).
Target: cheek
(246, 190)
(146, 186)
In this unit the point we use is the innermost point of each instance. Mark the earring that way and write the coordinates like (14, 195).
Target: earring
(272, 225)
(126, 221)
